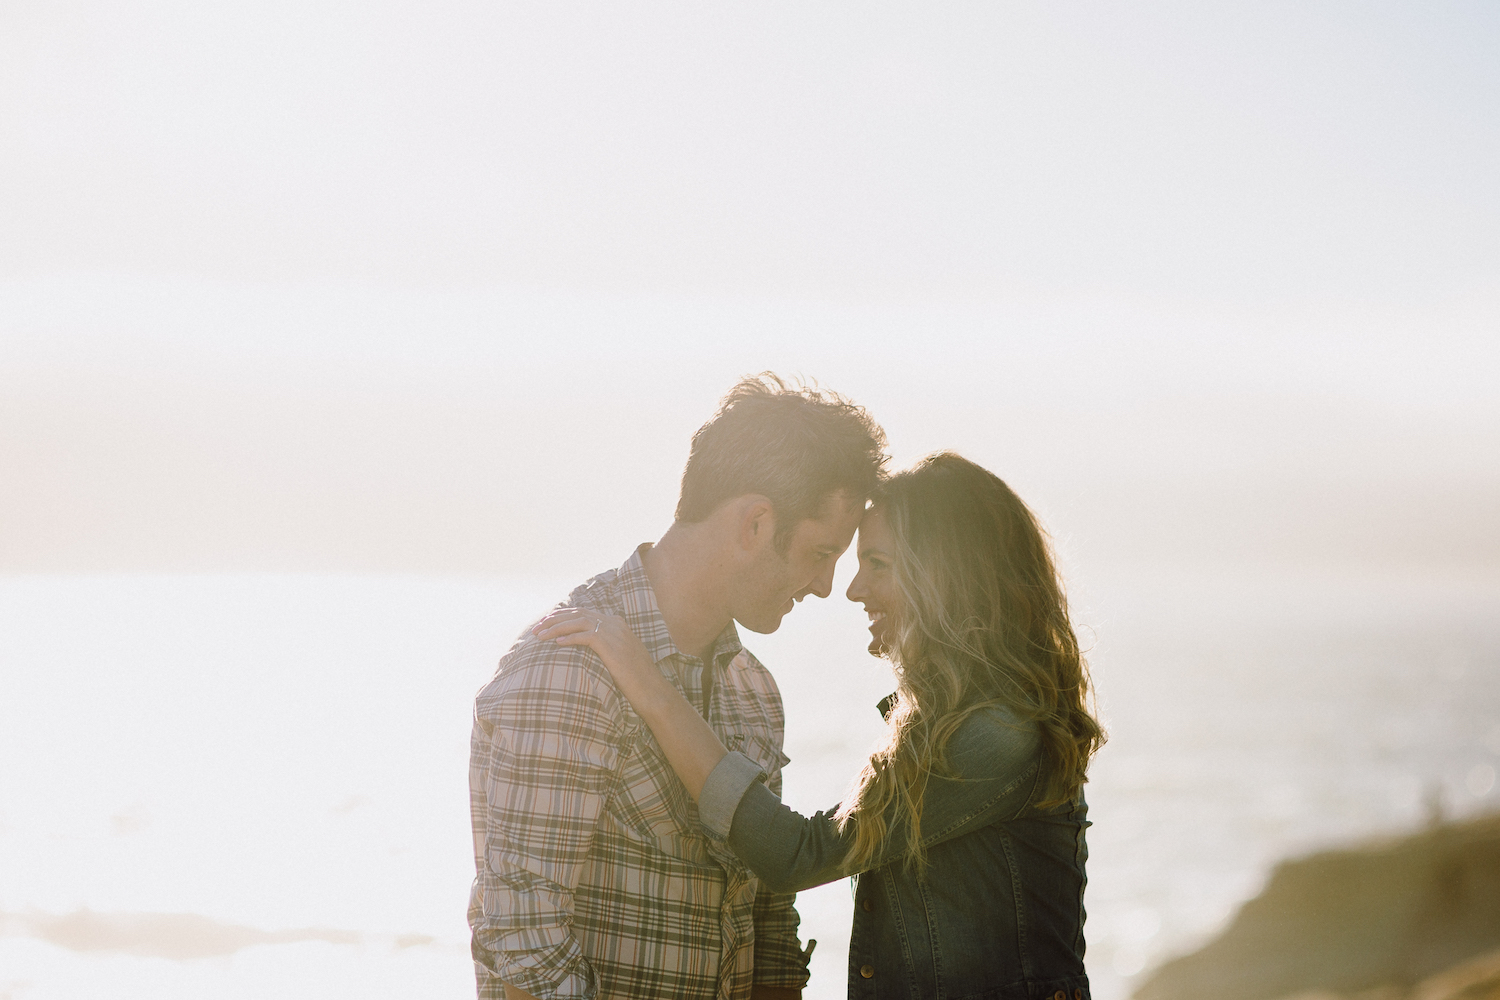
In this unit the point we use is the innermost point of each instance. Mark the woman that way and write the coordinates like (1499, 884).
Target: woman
(965, 830)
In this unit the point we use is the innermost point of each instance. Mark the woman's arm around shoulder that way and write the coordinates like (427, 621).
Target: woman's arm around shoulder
(993, 761)
(690, 746)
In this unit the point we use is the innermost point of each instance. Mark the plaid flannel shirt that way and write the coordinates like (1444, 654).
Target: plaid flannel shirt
(594, 878)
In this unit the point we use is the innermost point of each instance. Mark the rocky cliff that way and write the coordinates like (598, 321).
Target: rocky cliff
(1392, 918)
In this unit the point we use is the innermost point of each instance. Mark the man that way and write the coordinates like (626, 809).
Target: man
(594, 879)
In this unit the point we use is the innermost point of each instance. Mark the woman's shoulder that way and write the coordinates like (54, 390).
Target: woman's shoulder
(993, 741)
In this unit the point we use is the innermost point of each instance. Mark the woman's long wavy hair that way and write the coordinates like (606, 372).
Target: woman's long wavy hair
(985, 623)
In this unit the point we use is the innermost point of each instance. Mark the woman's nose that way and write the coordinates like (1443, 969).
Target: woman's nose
(856, 591)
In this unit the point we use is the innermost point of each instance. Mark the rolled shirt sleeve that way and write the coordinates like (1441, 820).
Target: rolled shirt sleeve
(542, 762)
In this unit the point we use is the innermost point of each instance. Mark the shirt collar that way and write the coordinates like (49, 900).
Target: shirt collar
(643, 615)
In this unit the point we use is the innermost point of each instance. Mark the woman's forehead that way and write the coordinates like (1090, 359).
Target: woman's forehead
(873, 530)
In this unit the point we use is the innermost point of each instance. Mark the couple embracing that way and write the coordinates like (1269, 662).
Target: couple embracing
(625, 770)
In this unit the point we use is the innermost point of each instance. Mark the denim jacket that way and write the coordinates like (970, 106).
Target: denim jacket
(997, 915)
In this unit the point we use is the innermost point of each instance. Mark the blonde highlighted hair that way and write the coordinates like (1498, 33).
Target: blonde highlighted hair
(984, 623)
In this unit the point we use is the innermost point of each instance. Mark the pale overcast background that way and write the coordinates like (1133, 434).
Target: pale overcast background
(443, 290)
(386, 286)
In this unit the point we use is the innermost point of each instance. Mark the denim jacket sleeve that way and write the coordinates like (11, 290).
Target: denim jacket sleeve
(994, 760)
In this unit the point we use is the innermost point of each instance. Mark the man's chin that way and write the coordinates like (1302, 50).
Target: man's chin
(762, 624)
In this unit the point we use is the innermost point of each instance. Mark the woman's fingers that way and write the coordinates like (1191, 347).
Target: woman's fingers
(579, 626)
(568, 626)
(608, 636)
(564, 621)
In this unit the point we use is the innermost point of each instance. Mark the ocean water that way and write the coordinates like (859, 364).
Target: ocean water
(281, 762)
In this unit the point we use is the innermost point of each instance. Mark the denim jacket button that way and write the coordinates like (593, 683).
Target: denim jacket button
(867, 971)
(1059, 995)
(867, 904)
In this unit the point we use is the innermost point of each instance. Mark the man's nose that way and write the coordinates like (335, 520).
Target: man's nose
(822, 584)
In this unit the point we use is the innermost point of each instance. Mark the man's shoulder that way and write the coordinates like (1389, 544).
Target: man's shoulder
(541, 664)
(601, 592)
(535, 667)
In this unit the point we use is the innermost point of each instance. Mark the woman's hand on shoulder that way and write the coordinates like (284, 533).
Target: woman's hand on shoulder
(624, 655)
(691, 747)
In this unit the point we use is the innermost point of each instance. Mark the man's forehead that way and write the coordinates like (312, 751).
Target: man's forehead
(839, 516)
(840, 504)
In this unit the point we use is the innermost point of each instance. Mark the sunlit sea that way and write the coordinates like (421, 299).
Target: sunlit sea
(285, 760)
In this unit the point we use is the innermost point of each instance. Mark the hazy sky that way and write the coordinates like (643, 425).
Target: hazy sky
(322, 285)
(1247, 153)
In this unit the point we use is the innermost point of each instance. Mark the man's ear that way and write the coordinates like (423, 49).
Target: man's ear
(757, 522)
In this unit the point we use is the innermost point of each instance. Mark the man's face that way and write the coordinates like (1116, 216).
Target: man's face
(776, 581)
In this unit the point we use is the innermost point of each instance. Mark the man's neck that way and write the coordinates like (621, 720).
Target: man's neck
(686, 573)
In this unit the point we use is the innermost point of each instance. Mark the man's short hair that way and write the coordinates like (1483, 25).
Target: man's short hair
(794, 444)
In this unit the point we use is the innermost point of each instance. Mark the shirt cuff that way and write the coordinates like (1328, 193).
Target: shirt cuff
(726, 785)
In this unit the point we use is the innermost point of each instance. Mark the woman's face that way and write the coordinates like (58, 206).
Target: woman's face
(874, 585)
